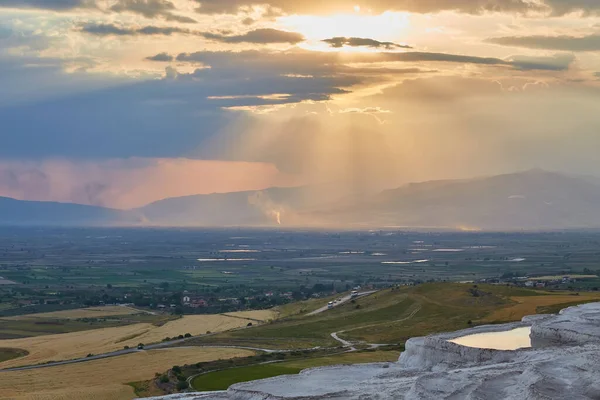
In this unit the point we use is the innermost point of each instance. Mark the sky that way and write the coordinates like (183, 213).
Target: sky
(120, 103)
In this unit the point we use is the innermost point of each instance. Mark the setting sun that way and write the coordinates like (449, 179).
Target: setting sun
(386, 26)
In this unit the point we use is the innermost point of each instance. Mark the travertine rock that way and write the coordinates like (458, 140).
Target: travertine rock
(564, 363)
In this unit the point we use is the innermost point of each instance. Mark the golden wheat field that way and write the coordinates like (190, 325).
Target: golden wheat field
(103, 379)
(72, 345)
(527, 305)
(92, 312)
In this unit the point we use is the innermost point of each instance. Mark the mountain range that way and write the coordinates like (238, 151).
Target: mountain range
(530, 200)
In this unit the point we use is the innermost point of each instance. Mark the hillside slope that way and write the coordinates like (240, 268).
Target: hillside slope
(17, 212)
(533, 199)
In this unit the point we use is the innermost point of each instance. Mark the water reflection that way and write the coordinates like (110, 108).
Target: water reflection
(508, 340)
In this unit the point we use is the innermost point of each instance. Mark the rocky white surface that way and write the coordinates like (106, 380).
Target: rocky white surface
(564, 363)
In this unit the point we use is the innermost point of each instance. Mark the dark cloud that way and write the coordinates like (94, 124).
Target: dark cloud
(559, 62)
(165, 8)
(421, 6)
(161, 57)
(114, 30)
(555, 63)
(562, 43)
(339, 41)
(151, 9)
(297, 62)
(561, 7)
(258, 36)
(56, 5)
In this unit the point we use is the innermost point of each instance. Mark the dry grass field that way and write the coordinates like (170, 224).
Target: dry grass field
(527, 305)
(258, 315)
(79, 344)
(92, 312)
(103, 379)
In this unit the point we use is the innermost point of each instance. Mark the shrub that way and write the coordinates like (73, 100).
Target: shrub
(90, 355)
(182, 385)
(187, 335)
(176, 369)
(126, 347)
(180, 337)
(166, 339)
(164, 379)
(249, 324)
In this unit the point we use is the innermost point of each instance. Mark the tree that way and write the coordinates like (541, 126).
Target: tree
(182, 385)
(188, 335)
(108, 286)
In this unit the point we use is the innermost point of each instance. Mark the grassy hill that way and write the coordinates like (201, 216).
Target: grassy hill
(392, 316)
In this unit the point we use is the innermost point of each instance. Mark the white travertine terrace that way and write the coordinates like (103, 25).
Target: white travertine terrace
(564, 363)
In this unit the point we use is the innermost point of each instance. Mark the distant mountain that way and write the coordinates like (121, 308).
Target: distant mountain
(534, 199)
(18, 212)
(530, 200)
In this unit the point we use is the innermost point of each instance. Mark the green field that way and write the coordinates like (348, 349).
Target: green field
(14, 329)
(221, 380)
(11, 354)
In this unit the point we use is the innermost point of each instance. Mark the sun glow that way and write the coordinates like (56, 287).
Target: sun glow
(389, 26)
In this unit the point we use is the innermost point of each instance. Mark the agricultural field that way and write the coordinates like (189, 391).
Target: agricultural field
(221, 380)
(256, 315)
(90, 312)
(89, 259)
(73, 345)
(10, 354)
(559, 277)
(103, 379)
(23, 327)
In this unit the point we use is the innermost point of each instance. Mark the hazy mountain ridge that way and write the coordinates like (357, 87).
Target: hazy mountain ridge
(21, 212)
(534, 199)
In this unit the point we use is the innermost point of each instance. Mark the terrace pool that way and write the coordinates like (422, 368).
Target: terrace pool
(507, 340)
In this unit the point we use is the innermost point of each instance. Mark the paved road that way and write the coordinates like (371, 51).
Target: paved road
(171, 343)
(148, 347)
(97, 357)
(345, 299)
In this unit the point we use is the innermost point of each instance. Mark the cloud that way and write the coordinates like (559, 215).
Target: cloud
(264, 36)
(131, 182)
(55, 5)
(165, 8)
(295, 62)
(555, 63)
(257, 36)
(559, 62)
(338, 42)
(420, 6)
(163, 57)
(114, 30)
(151, 9)
(368, 110)
(561, 43)
(562, 7)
